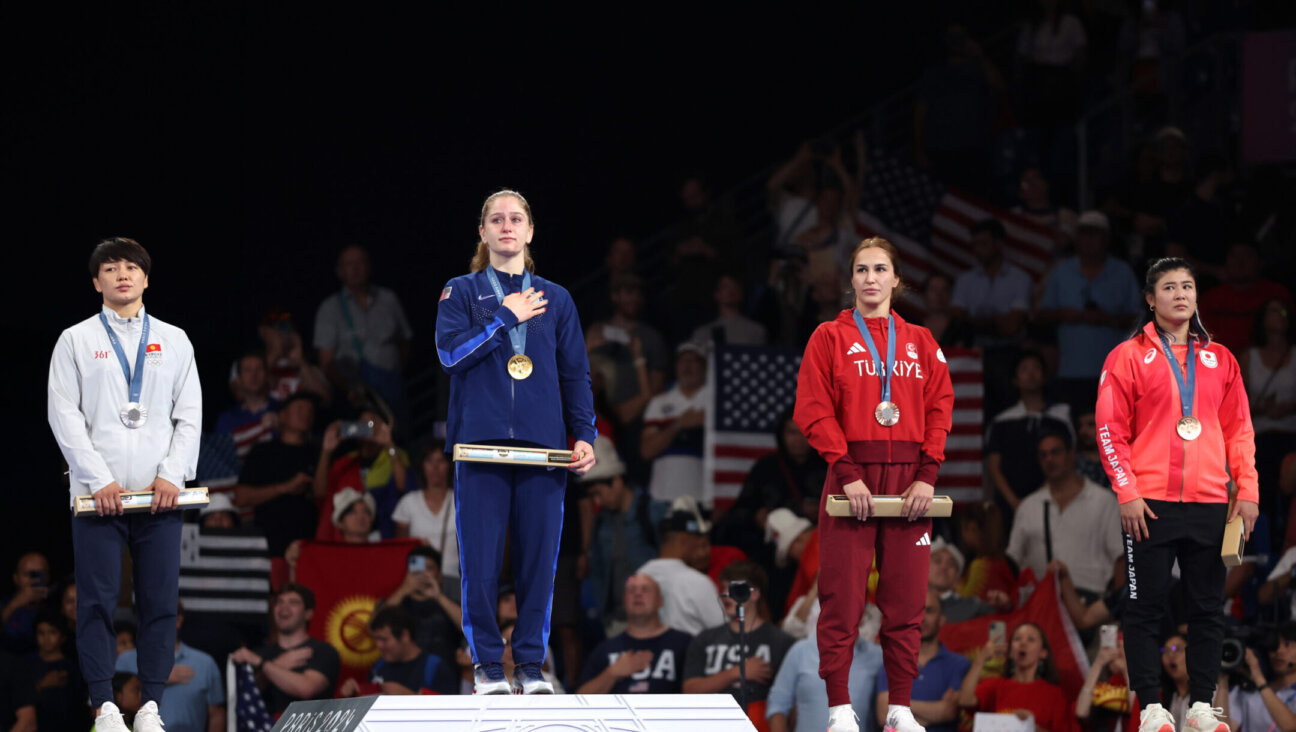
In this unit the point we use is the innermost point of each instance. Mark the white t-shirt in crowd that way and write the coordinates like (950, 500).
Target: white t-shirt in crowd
(677, 471)
(1087, 536)
(690, 601)
(424, 524)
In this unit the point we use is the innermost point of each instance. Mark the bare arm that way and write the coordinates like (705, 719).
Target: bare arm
(777, 722)
(24, 720)
(216, 718)
(305, 684)
(934, 712)
(1238, 577)
(994, 466)
(655, 440)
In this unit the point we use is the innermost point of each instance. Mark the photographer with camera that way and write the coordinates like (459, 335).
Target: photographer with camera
(1272, 705)
(742, 656)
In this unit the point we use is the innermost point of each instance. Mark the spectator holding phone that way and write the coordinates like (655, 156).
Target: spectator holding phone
(431, 602)
(31, 587)
(1105, 701)
(1029, 686)
(374, 467)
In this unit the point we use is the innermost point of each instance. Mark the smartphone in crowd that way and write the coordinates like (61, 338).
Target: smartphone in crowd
(1108, 636)
(349, 430)
(417, 563)
(616, 334)
(998, 632)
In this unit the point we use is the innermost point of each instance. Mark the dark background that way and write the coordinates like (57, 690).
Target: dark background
(245, 146)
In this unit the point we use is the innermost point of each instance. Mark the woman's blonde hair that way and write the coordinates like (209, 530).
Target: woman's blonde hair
(877, 242)
(481, 259)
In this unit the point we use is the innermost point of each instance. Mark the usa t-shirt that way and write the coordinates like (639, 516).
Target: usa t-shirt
(664, 675)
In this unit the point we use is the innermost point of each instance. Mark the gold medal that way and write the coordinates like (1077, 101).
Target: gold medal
(887, 414)
(520, 367)
(1189, 428)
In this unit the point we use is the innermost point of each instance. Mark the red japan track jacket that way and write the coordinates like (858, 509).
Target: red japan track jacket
(838, 389)
(1138, 407)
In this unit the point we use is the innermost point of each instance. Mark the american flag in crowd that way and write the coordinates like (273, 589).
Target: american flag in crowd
(961, 475)
(928, 222)
(752, 385)
(250, 712)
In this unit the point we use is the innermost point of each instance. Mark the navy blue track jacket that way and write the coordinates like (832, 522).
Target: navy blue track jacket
(473, 346)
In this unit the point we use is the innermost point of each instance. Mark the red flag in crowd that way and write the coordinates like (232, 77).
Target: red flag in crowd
(1045, 609)
(348, 579)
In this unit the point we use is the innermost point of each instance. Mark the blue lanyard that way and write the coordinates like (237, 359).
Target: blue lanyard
(136, 381)
(1185, 389)
(517, 334)
(883, 373)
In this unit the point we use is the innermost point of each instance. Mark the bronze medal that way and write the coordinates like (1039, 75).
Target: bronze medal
(887, 414)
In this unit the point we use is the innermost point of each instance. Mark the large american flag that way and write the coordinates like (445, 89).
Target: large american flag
(752, 385)
(928, 222)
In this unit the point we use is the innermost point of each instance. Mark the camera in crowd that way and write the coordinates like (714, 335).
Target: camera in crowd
(1260, 638)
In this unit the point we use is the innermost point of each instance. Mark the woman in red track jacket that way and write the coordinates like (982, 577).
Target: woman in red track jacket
(1173, 420)
(880, 438)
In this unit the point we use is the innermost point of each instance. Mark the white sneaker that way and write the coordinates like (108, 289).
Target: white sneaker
(1155, 718)
(147, 719)
(488, 678)
(110, 719)
(841, 718)
(901, 719)
(1202, 717)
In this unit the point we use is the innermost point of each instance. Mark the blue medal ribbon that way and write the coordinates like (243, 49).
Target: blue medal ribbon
(136, 380)
(517, 334)
(883, 373)
(1185, 389)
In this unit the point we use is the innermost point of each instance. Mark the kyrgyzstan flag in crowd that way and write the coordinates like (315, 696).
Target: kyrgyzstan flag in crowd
(347, 580)
(1045, 609)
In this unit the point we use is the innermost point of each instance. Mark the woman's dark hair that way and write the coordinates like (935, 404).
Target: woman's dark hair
(1167, 684)
(1259, 338)
(1154, 273)
(1045, 669)
(784, 417)
(119, 249)
(428, 447)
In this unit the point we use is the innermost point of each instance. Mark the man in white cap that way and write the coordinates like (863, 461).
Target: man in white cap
(1093, 298)
(689, 596)
(946, 567)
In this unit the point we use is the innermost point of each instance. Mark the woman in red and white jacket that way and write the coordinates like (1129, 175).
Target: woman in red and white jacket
(874, 398)
(1173, 421)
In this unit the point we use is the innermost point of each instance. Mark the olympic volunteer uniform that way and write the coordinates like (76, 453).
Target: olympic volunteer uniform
(87, 390)
(487, 406)
(837, 390)
(1184, 482)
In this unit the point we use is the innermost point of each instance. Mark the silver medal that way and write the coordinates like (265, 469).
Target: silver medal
(134, 415)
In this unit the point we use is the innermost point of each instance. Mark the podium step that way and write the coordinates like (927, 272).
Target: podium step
(536, 713)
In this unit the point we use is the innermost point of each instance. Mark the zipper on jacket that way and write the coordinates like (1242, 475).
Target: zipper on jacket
(512, 404)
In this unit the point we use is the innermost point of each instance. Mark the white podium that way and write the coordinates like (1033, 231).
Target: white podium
(535, 713)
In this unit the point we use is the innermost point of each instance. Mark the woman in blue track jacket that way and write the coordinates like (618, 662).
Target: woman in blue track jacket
(513, 346)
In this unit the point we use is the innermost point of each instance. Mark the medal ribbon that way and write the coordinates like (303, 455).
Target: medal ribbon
(517, 334)
(1185, 389)
(135, 381)
(883, 373)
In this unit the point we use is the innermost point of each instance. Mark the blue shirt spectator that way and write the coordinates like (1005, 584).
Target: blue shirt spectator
(944, 672)
(187, 705)
(798, 685)
(1094, 297)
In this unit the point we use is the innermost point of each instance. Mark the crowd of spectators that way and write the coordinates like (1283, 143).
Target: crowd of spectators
(315, 442)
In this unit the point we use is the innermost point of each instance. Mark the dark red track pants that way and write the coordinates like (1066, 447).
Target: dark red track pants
(846, 547)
